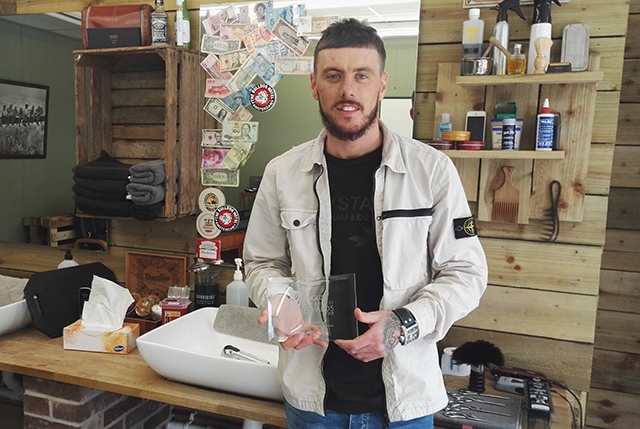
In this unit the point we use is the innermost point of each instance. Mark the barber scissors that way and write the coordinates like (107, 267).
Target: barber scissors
(457, 407)
(458, 415)
(462, 397)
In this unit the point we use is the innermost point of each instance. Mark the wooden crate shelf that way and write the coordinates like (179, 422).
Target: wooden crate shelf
(533, 79)
(140, 104)
(504, 154)
(53, 230)
(571, 94)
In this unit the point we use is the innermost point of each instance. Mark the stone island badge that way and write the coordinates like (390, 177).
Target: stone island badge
(465, 227)
(227, 218)
(263, 97)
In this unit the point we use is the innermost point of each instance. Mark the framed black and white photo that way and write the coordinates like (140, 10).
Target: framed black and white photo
(23, 119)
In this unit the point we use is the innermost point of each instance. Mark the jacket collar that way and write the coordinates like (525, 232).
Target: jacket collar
(391, 152)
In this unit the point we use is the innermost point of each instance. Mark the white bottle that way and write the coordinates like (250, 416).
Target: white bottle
(178, 25)
(541, 29)
(544, 127)
(68, 260)
(237, 291)
(445, 125)
(472, 35)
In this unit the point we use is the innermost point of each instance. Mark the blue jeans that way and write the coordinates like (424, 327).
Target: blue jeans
(297, 419)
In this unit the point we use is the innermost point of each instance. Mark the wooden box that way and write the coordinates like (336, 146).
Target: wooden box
(141, 104)
(55, 230)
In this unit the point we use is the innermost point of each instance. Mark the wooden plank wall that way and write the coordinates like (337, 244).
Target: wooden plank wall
(614, 401)
(540, 308)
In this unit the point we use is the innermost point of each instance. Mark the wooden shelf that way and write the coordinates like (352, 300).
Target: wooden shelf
(504, 154)
(533, 79)
(131, 102)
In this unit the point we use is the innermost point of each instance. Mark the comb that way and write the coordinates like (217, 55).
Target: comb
(506, 199)
(551, 222)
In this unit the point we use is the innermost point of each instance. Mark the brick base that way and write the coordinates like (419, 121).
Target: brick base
(53, 405)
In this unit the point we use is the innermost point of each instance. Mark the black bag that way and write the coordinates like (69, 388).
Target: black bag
(53, 297)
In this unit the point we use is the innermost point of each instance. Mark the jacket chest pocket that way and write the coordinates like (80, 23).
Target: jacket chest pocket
(405, 254)
(300, 226)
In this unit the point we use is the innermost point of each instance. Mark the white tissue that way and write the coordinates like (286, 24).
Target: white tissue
(107, 305)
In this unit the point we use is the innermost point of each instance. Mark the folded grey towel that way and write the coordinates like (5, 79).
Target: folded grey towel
(145, 195)
(148, 173)
(240, 322)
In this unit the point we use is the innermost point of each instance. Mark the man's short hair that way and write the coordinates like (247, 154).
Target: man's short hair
(351, 33)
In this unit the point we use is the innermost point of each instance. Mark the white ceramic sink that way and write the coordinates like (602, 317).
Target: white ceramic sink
(189, 350)
(14, 316)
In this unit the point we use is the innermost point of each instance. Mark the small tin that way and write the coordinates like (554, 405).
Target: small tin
(456, 136)
(441, 144)
(471, 145)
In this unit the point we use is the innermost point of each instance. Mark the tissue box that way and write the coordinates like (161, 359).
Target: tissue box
(122, 341)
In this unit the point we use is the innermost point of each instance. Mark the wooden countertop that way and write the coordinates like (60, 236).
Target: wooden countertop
(30, 352)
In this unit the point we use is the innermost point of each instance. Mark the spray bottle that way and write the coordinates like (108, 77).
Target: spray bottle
(541, 27)
(237, 292)
(501, 33)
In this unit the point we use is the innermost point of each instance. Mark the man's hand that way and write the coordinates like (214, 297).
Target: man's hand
(381, 337)
(289, 325)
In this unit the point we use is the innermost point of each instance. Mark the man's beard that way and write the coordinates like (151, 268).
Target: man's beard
(347, 135)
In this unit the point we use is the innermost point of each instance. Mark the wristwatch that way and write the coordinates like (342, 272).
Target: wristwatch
(409, 330)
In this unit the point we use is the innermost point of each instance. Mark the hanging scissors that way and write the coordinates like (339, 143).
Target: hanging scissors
(467, 407)
(462, 397)
(457, 415)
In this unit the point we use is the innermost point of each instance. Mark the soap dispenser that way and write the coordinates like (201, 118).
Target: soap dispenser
(68, 260)
(237, 291)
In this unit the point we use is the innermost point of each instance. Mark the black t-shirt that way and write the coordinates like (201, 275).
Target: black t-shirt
(353, 386)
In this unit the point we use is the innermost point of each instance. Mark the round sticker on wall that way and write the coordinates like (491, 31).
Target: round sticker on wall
(226, 218)
(210, 199)
(206, 225)
(263, 97)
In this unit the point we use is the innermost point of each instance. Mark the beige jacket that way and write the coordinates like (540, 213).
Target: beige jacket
(426, 269)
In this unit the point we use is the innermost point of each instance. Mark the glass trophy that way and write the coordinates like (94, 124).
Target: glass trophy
(308, 306)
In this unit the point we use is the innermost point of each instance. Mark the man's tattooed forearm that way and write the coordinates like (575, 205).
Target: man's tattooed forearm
(391, 332)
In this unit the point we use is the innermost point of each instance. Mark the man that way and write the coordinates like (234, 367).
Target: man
(362, 199)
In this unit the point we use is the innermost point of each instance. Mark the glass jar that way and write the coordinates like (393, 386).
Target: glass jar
(207, 288)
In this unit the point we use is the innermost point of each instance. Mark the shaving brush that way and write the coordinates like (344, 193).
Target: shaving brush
(542, 46)
(478, 354)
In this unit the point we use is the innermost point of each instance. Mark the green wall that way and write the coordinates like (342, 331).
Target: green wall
(43, 186)
(39, 186)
